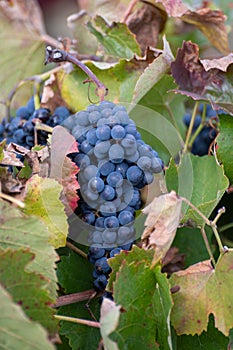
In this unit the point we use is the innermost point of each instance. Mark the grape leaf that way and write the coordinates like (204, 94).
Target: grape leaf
(43, 200)
(189, 178)
(62, 168)
(116, 38)
(204, 290)
(200, 84)
(112, 10)
(211, 23)
(224, 141)
(75, 275)
(209, 340)
(21, 43)
(26, 288)
(174, 8)
(20, 231)
(163, 218)
(153, 73)
(146, 302)
(109, 318)
(17, 331)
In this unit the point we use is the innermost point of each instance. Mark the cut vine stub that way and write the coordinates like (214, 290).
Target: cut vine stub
(58, 55)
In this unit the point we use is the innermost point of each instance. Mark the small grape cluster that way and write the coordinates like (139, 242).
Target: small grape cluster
(21, 128)
(115, 164)
(207, 134)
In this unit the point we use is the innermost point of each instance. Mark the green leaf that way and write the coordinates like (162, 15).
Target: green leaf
(212, 339)
(22, 47)
(190, 242)
(204, 290)
(116, 38)
(162, 99)
(224, 141)
(153, 73)
(20, 231)
(75, 275)
(145, 298)
(110, 314)
(43, 200)
(199, 179)
(27, 289)
(17, 331)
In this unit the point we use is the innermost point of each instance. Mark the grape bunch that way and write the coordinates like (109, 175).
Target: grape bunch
(207, 134)
(21, 128)
(115, 164)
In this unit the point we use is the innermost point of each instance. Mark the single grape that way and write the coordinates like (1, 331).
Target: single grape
(118, 132)
(102, 266)
(125, 217)
(111, 222)
(96, 184)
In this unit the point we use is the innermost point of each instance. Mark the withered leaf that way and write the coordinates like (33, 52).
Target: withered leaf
(211, 23)
(221, 63)
(163, 217)
(201, 84)
(174, 8)
(51, 95)
(62, 168)
(24, 13)
(146, 23)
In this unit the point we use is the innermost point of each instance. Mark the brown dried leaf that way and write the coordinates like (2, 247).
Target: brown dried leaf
(161, 224)
(188, 70)
(173, 261)
(219, 63)
(174, 8)
(51, 95)
(9, 158)
(24, 13)
(211, 23)
(146, 23)
(62, 168)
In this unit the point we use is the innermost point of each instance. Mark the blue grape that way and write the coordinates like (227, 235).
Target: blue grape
(134, 174)
(91, 137)
(102, 266)
(116, 153)
(122, 168)
(95, 252)
(114, 179)
(94, 116)
(88, 217)
(23, 112)
(118, 132)
(96, 184)
(144, 163)
(103, 132)
(125, 217)
(82, 118)
(106, 168)
(100, 283)
(86, 147)
(99, 223)
(108, 193)
(115, 251)
(90, 171)
(111, 222)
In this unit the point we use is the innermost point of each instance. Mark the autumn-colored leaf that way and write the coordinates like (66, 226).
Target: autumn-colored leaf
(62, 168)
(43, 200)
(204, 290)
(201, 84)
(221, 63)
(146, 23)
(109, 319)
(174, 8)
(161, 224)
(211, 23)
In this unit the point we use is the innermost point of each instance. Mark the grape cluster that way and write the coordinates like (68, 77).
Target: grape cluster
(21, 128)
(208, 133)
(115, 164)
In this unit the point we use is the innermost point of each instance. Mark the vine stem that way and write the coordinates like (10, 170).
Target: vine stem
(190, 129)
(58, 55)
(76, 249)
(12, 200)
(210, 223)
(204, 236)
(73, 298)
(78, 320)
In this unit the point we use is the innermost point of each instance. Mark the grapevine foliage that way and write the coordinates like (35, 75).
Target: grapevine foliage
(116, 177)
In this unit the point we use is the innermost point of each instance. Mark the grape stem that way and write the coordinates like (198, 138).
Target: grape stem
(73, 298)
(58, 55)
(78, 320)
(190, 129)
